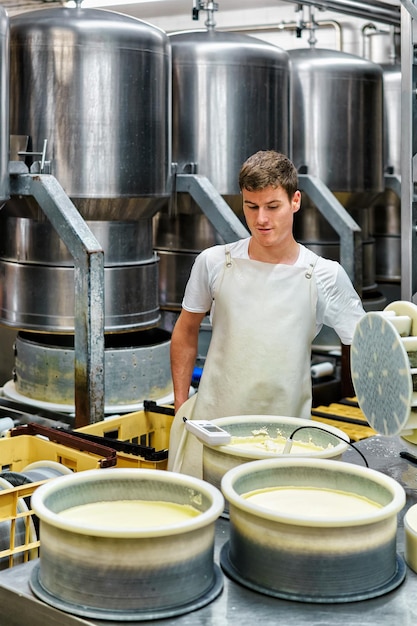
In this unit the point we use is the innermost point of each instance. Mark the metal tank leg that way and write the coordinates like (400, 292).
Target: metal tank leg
(345, 226)
(217, 211)
(88, 284)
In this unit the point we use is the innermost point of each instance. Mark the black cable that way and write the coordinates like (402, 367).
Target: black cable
(338, 436)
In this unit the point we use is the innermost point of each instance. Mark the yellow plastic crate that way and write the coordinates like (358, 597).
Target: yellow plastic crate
(146, 428)
(17, 452)
(18, 538)
(17, 529)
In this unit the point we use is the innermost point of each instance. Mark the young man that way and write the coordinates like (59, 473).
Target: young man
(268, 297)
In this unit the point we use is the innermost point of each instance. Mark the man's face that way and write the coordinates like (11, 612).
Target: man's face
(269, 214)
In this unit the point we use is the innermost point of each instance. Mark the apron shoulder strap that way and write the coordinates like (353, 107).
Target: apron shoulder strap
(313, 261)
(228, 257)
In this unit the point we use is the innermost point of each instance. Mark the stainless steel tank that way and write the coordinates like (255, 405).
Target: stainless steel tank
(37, 275)
(4, 105)
(337, 105)
(7, 336)
(96, 86)
(137, 367)
(386, 223)
(230, 99)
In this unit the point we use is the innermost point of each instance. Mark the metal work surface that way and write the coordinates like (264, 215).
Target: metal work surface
(239, 606)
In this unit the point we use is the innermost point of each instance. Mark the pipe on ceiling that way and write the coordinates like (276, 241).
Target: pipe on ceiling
(282, 26)
(379, 11)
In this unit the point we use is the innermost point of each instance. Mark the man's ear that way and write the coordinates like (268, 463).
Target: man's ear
(296, 201)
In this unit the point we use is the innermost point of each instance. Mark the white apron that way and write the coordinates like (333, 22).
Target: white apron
(257, 306)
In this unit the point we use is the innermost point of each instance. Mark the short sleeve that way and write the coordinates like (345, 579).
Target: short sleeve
(339, 305)
(198, 295)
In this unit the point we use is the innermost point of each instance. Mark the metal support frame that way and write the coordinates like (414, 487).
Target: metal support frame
(214, 207)
(393, 182)
(348, 230)
(88, 287)
(408, 205)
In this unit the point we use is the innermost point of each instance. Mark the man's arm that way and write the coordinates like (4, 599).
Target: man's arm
(184, 346)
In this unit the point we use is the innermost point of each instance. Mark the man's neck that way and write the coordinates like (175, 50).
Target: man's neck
(287, 254)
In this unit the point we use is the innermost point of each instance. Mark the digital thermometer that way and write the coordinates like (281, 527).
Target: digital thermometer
(208, 432)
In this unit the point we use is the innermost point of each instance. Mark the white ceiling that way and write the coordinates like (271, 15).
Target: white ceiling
(162, 8)
(145, 8)
(159, 9)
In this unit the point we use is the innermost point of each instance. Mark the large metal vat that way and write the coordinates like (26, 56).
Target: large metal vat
(95, 84)
(386, 225)
(337, 105)
(96, 87)
(6, 337)
(136, 367)
(37, 275)
(4, 105)
(230, 99)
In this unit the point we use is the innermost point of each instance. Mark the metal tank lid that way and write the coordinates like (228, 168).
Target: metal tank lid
(102, 24)
(235, 45)
(324, 60)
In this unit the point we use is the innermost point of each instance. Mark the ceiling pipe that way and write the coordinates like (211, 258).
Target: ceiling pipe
(378, 11)
(286, 26)
(369, 31)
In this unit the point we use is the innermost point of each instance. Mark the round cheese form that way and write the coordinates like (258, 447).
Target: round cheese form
(410, 527)
(129, 514)
(312, 503)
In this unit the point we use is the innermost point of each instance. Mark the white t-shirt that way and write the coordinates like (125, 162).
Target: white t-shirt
(338, 304)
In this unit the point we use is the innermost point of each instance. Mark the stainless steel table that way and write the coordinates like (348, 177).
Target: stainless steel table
(239, 606)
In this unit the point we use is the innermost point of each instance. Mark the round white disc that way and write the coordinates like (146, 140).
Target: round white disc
(381, 374)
